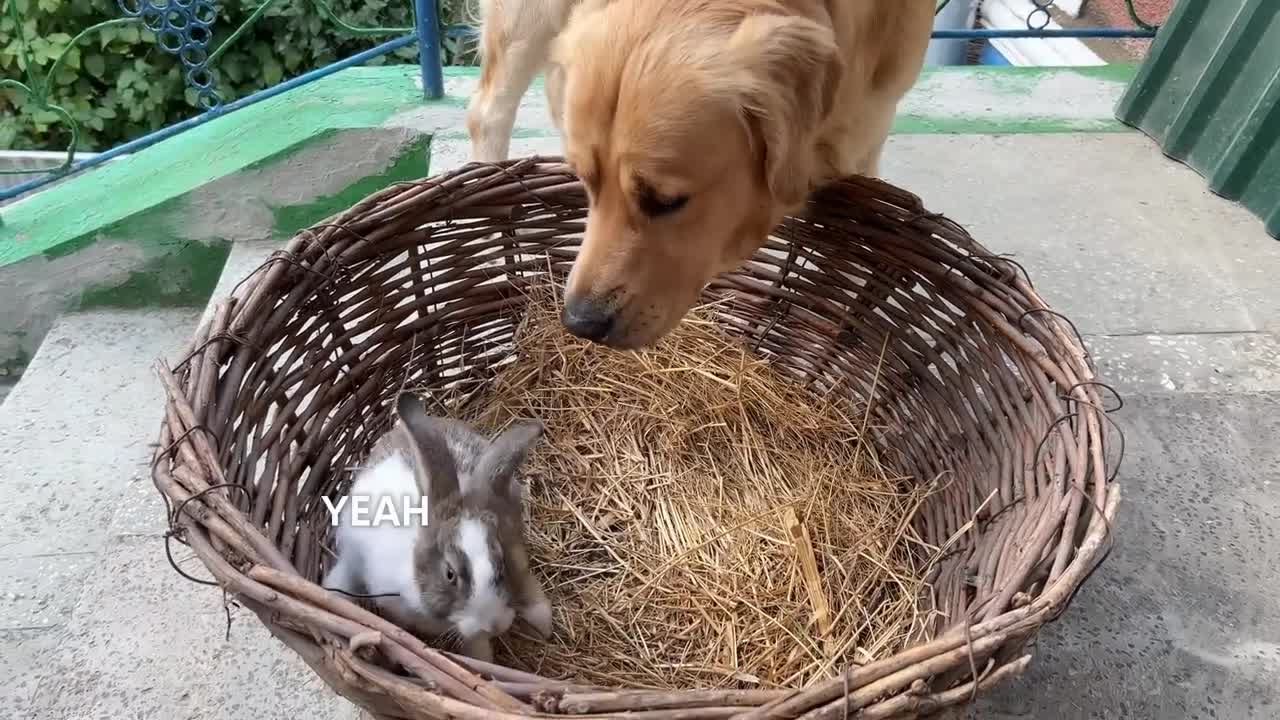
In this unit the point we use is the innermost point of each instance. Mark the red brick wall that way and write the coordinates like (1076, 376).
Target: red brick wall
(1112, 13)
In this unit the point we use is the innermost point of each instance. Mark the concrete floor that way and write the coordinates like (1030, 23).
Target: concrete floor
(1174, 288)
(1176, 293)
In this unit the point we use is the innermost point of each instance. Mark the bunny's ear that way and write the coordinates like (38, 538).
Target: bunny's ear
(507, 452)
(441, 473)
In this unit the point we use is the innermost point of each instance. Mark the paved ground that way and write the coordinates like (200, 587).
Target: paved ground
(1176, 293)
(93, 621)
(1174, 288)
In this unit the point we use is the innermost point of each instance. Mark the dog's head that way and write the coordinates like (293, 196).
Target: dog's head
(692, 126)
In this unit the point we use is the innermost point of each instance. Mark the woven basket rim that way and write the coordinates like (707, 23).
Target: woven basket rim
(333, 635)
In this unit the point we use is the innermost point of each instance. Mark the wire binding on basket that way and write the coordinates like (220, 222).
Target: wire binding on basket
(283, 387)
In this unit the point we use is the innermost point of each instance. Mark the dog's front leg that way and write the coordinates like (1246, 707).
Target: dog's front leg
(515, 41)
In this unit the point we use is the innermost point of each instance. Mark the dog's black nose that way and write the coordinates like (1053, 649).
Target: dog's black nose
(587, 318)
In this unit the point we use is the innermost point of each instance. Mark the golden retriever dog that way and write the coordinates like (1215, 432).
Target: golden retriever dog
(695, 126)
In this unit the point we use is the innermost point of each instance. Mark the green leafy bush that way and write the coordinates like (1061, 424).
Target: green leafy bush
(118, 84)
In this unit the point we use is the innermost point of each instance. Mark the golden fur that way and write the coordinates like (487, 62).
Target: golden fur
(696, 125)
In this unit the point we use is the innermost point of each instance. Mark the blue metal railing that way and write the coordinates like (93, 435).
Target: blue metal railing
(425, 13)
(182, 28)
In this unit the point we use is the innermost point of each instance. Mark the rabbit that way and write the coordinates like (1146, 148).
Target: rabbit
(465, 571)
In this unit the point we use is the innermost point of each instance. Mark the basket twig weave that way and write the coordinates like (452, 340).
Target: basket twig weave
(982, 388)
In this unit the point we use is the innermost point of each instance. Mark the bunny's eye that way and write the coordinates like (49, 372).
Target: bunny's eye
(450, 575)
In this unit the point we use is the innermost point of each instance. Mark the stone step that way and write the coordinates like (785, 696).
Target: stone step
(91, 614)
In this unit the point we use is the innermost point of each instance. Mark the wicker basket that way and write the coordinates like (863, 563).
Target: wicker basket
(287, 382)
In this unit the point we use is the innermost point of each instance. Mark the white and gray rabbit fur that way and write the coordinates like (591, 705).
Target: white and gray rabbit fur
(465, 572)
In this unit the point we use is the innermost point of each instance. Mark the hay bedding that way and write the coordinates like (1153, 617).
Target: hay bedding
(698, 519)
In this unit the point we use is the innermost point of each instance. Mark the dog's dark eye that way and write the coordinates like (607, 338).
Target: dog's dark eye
(655, 205)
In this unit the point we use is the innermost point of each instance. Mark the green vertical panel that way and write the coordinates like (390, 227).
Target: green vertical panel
(1209, 94)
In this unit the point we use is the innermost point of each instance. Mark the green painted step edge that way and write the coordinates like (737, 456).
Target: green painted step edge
(68, 213)
(1005, 83)
(1012, 79)
(89, 202)
(150, 264)
(157, 234)
(413, 163)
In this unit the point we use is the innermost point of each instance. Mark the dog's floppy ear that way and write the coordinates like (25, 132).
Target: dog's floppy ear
(786, 72)
(579, 19)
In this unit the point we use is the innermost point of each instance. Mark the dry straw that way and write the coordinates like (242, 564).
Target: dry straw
(700, 518)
